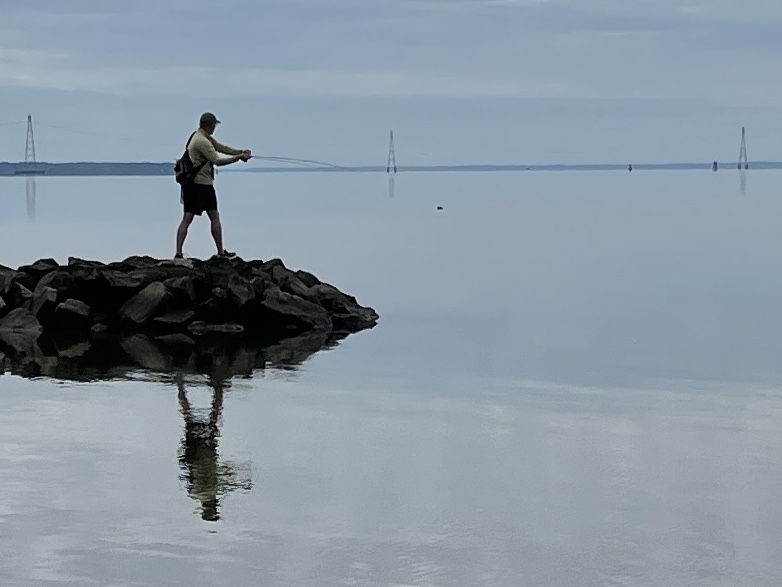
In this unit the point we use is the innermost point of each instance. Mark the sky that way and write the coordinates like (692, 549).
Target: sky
(459, 81)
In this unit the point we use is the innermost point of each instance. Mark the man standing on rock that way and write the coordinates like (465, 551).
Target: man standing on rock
(199, 196)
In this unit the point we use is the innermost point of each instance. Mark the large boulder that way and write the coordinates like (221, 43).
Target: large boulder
(20, 329)
(40, 268)
(44, 302)
(59, 280)
(288, 310)
(241, 293)
(9, 277)
(18, 296)
(146, 304)
(72, 315)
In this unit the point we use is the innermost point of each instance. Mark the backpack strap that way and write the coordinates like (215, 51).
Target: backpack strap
(197, 168)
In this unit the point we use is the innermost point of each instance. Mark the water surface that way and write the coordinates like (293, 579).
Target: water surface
(574, 381)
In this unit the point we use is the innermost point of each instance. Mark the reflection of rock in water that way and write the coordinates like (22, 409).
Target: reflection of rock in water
(106, 357)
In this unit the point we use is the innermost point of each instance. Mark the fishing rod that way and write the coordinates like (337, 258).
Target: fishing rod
(305, 162)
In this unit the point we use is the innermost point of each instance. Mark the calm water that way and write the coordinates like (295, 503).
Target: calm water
(575, 381)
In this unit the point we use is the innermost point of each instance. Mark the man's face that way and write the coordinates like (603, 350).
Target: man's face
(210, 128)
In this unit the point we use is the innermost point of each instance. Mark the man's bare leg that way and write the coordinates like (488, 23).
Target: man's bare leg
(181, 232)
(217, 230)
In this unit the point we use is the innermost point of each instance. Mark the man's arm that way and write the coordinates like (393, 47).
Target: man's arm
(224, 149)
(210, 154)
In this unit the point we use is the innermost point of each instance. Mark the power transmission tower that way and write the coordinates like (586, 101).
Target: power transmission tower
(29, 159)
(743, 150)
(29, 147)
(391, 154)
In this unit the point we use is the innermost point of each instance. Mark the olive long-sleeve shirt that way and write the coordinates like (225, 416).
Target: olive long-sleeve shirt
(204, 147)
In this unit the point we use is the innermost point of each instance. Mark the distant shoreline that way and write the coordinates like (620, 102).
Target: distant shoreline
(85, 169)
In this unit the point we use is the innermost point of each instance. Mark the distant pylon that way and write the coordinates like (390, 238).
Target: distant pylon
(743, 150)
(391, 154)
(29, 157)
(29, 147)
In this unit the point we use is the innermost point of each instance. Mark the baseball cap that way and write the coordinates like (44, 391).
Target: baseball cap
(209, 118)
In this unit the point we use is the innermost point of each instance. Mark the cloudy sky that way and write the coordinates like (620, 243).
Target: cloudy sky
(459, 81)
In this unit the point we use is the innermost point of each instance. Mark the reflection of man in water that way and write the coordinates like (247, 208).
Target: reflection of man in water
(206, 479)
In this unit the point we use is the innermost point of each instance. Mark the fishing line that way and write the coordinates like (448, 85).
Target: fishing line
(306, 162)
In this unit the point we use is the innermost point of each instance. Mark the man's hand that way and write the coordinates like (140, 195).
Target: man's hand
(246, 155)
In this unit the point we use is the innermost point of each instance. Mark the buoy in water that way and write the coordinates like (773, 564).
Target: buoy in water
(439, 207)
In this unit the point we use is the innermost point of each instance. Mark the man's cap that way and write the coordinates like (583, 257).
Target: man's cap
(209, 118)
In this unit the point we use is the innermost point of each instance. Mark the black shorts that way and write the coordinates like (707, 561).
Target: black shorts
(198, 198)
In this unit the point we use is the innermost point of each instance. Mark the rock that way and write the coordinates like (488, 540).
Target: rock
(123, 285)
(78, 349)
(261, 285)
(20, 329)
(40, 268)
(5, 274)
(177, 339)
(60, 281)
(240, 293)
(135, 262)
(4, 309)
(278, 273)
(293, 285)
(182, 290)
(99, 327)
(270, 265)
(87, 277)
(201, 327)
(332, 299)
(18, 296)
(20, 320)
(75, 261)
(289, 310)
(356, 319)
(72, 315)
(307, 279)
(211, 311)
(44, 303)
(144, 305)
(8, 277)
(174, 319)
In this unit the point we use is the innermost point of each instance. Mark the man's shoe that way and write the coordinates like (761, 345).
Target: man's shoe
(227, 254)
(179, 256)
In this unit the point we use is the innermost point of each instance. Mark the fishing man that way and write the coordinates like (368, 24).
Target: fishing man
(200, 196)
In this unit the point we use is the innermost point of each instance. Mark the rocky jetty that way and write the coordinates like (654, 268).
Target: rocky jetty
(175, 300)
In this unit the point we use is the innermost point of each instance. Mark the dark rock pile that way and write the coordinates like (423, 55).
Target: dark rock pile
(179, 299)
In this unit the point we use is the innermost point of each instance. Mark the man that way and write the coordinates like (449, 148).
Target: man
(200, 196)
